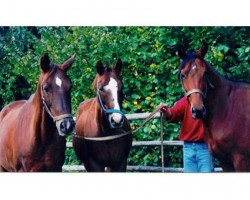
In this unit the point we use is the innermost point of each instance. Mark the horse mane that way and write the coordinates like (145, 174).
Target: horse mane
(224, 79)
(191, 54)
(107, 70)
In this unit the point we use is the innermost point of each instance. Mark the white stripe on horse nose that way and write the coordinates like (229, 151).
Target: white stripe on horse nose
(58, 81)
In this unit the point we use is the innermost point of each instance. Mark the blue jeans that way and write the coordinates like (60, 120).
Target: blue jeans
(197, 157)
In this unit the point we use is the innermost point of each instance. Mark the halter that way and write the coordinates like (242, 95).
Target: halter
(107, 112)
(55, 118)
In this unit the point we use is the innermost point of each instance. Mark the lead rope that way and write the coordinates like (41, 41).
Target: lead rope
(124, 132)
(162, 147)
(130, 132)
(149, 117)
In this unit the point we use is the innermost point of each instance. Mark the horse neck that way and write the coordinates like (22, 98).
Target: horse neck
(216, 79)
(45, 128)
(100, 118)
(218, 90)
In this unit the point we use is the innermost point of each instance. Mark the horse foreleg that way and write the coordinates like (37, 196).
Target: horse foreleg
(108, 169)
(241, 163)
(92, 166)
(227, 167)
(2, 169)
(121, 167)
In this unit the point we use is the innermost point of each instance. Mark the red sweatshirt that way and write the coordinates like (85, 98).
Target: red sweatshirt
(192, 130)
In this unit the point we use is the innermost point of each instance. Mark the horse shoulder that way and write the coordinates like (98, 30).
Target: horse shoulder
(10, 107)
(232, 123)
(84, 107)
(8, 117)
(86, 122)
(238, 110)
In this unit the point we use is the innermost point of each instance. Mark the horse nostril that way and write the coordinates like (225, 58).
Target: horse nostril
(112, 120)
(115, 122)
(193, 111)
(198, 113)
(63, 126)
(122, 120)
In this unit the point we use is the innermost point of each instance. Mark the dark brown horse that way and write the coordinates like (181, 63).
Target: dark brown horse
(224, 106)
(103, 133)
(32, 132)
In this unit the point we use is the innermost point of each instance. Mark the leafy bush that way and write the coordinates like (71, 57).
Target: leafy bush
(149, 74)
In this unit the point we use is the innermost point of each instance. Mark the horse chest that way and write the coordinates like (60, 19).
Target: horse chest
(219, 139)
(108, 152)
(43, 158)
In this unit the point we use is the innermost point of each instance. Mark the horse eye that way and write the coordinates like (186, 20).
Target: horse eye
(183, 76)
(101, 89)
(45, 88)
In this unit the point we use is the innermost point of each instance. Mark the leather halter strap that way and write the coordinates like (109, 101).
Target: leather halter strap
(188, 93)
(204, 94)
(107, 111)
(55, 118)
(106, 138)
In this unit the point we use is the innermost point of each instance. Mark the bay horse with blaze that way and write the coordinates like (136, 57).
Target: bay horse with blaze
(103, 135)
(224, 106)
(32, 132)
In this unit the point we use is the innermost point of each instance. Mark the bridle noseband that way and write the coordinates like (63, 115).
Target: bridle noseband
(188, 93)
(55, 118)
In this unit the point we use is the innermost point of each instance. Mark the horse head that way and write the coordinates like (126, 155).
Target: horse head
(55, 87)
(109, 92)
(192, 74)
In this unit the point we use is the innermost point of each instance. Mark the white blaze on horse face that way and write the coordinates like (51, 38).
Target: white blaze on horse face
(58, 81)
(113, 87)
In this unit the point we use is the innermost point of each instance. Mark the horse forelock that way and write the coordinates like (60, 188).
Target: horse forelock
(55, 71)
(191, 55)
(104, 79)
(51, 72)
(108, 69)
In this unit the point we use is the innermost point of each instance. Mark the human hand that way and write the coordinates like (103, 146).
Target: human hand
(163, 107)
(165, 110)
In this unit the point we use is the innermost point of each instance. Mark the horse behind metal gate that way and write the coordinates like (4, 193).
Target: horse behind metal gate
(103, 134)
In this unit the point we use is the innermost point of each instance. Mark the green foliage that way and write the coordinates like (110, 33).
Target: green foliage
(149, 74)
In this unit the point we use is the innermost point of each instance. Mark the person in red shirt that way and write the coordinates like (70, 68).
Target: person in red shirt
(196, 155)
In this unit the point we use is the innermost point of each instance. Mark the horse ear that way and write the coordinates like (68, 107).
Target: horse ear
(203, 50)
(118, 66)
(181, 52)
(67, 64)
(100, 68)
(45, 63)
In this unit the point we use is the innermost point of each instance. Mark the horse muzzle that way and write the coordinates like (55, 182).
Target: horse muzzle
(65, 126)
(116, 123)
(198, 113)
